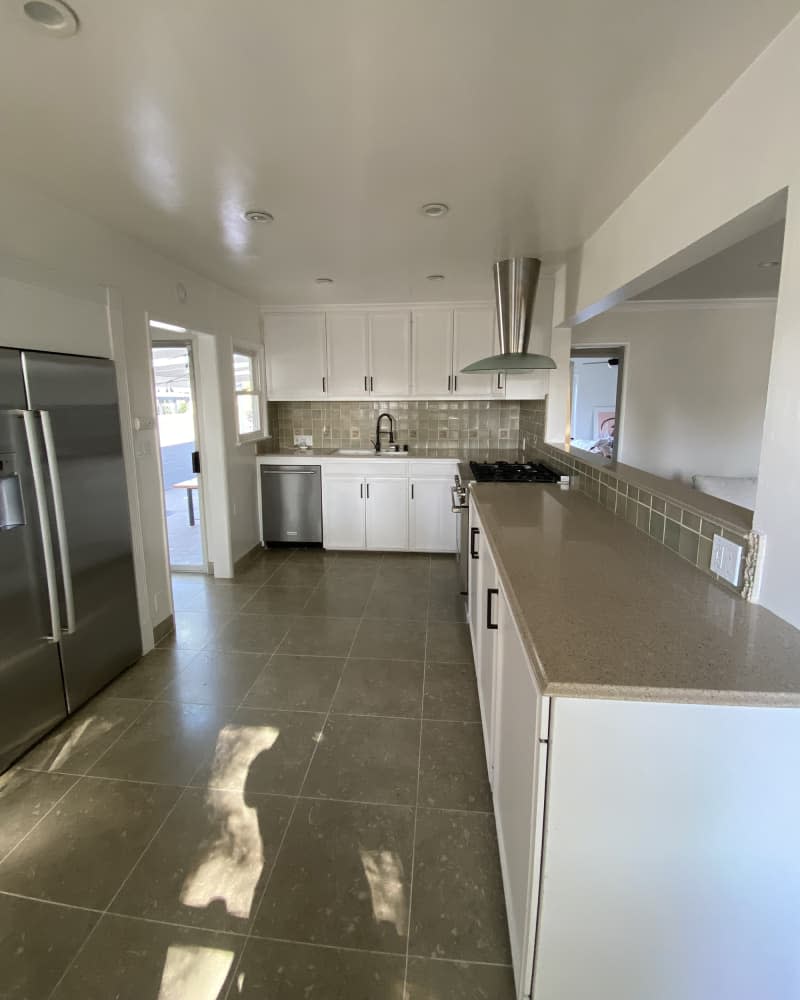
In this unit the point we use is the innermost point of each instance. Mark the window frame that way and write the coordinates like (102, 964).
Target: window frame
(256, 355)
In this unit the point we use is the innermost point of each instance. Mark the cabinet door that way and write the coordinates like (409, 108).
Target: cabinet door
(432, 352)
(348, 368)
(343, 512)
(390, 354)
(387, 513)
(295, 354)
(531, 385)
(483, 618)
(473, 339)
(432, 524)
(518, 772)
(474, 544)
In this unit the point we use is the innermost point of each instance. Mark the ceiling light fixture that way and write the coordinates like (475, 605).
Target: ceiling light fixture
(769, 263)
(258, 215)
(435, 209)
(167, 326)
(324, 281)
(53, 16)
(435, 277)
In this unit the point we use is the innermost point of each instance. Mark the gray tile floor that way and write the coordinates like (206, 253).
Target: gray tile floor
(286, 799)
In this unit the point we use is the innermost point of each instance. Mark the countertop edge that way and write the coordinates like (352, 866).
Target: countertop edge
(616, 692)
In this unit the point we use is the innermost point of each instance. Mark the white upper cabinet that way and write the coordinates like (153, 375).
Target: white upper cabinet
(534, 385)
(390, 353)
(432, 352)
(295, 350)
(348, 362)
(473, 339)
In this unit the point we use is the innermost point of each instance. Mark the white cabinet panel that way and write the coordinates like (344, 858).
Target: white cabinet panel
(432, 352)
(533, 385)
(390, 354)
(432, 524)
(295, 354)
(473, 339)
(343, 512)
(348, 367)
(483, 621)
(518, 785)
(387, 513)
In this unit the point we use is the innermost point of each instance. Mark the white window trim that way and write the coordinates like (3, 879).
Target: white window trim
(256, 352)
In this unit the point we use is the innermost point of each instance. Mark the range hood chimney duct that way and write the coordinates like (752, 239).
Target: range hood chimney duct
(515, 282)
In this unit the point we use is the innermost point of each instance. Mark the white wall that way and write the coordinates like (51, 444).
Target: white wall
(738, 161)
(594, 383)
(55, 249)
(695, 384)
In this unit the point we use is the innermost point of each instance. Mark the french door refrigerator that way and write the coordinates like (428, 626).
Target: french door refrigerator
(68, 616)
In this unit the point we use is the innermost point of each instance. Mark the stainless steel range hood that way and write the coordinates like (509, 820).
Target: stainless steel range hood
(515, 282)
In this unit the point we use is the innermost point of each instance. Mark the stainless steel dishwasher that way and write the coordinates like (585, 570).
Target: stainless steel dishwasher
(291, 503)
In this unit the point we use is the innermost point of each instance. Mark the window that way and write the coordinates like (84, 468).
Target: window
(247, 385)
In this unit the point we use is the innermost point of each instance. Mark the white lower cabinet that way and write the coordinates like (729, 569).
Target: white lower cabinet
(645, 847)
(432, 526)
(483, 625)
(518, 766)
(343, 521)
(386, 512)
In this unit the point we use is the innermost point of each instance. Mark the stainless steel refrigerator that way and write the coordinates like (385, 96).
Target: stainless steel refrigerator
(68, 616)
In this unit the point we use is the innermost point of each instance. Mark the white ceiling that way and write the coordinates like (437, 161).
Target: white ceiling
(532, 120)
(731, 274)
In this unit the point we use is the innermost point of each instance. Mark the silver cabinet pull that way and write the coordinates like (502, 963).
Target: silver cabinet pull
(283, 471)
(29, 421)
(61, 521)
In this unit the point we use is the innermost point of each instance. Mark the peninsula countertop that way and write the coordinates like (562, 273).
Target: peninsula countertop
(605, 612)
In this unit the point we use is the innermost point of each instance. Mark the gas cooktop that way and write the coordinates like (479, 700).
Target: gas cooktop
(513, 472)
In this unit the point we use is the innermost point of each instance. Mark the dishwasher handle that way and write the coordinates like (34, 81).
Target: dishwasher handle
(295, 472)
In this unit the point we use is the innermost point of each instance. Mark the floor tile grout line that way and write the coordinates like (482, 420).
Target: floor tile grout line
(41, 819)
(416, 799)
(134, 866)
(257, 906)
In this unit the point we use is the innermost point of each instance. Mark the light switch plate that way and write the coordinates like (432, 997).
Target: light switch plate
(726, 559)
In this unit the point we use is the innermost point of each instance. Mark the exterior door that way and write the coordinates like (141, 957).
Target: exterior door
(432, 352)
(390, 354)
(76, 402)
(343, 501)
(179, 447)
(387, 513)
(348, 367)
(295, 348)
(31, 690)
(431, 521)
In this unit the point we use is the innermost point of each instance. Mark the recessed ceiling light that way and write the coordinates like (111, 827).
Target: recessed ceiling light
(258, 215)
(53, 16)
(769, 263)
(324, 281)
(435, 209)
(435, 277)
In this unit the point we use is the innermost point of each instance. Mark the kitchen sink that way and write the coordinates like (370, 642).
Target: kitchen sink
(370, 452)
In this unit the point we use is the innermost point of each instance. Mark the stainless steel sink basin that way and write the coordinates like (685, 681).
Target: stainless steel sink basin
(369, 453)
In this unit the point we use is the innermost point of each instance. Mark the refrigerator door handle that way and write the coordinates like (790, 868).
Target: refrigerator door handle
(29, 421)
(61, 521)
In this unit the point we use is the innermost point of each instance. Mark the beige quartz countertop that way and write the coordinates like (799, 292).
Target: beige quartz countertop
(414, 453)
(606, 612)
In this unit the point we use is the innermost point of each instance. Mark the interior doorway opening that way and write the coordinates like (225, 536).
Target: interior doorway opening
(180, 453)
(596, 393)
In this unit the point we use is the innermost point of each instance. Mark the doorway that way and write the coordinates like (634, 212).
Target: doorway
(179, 446)
(595, 405)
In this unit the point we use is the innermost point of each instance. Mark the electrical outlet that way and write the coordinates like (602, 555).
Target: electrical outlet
(302, 440)
(726, 559)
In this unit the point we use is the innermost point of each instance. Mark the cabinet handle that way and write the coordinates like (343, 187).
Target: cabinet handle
(455, 383)
(323, 383)
(449, 381)
(365, 383)
(473, 534)
(371, 383)
(490, 592)
(361, 490)
(367, 491)
(499, 380)
(412, 491)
